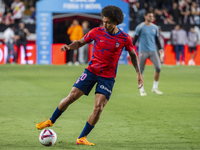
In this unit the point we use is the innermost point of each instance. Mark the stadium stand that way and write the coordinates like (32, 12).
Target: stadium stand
(187, 13)
(168, 13)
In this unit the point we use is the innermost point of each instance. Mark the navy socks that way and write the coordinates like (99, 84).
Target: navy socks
(55, 115)
(86, 130)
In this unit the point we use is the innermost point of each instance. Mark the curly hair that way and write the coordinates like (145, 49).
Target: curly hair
(114, 13)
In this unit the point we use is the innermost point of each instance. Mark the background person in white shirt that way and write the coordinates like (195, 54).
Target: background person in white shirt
(18, 9)
(9, 36)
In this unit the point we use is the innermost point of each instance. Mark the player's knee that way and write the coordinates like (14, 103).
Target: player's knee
(72, 96)
(97, 110)
(141, 71)
(158, 69)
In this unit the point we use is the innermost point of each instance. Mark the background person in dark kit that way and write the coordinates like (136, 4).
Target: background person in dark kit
(192, 44)
(21, 34)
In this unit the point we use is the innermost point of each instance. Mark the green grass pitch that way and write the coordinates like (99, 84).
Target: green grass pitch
(129, 122)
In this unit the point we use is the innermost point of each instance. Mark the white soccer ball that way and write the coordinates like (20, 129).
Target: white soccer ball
(47, 137)
(191, 63)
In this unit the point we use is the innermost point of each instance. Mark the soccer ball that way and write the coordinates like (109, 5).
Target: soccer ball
(191, 63)
(47, 137)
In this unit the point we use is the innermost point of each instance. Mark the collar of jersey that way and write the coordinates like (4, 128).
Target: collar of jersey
(115, 33)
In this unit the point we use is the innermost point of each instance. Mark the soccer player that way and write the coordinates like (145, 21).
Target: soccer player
(109, 42)
(148, 34)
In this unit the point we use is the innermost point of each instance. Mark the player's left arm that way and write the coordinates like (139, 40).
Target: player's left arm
(158, 42)
(27, 32)
(74, 45)
(135, 63)
(161, 51)
(129, 47)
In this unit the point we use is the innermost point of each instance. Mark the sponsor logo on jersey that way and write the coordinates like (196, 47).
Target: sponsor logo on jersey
(116, 44)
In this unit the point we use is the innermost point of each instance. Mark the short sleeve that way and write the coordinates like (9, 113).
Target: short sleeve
(90, 36)
(23, 7)
(13, 5)
(129, 44)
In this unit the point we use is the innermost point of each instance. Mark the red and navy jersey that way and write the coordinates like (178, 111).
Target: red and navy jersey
(107, 50)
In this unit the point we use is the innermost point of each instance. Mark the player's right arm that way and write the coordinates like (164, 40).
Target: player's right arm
(137, 33)
(74, 45)
(89, 37)
(135, 39)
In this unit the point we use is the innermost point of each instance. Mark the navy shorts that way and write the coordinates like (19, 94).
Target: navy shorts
(87, 80)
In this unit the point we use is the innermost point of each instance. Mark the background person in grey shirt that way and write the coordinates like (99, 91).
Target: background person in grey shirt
(181, 41)
(148, 34)
(83, 51)
(173, 37)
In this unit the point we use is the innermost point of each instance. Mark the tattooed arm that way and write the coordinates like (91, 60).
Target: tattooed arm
(135, 63)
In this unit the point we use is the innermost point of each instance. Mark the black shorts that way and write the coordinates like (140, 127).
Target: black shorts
(192, 48)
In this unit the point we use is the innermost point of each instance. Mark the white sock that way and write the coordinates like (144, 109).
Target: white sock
(142, 89)
(155, 84)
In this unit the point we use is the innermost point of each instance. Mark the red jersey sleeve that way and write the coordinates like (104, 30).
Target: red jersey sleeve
(129, 44)
(90, 36)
